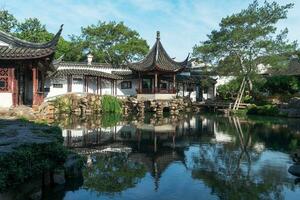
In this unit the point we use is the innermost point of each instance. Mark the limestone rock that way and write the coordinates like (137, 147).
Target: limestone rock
(294, 170)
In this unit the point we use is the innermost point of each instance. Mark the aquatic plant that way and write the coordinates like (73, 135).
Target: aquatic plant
(111, 104)
(110, 119)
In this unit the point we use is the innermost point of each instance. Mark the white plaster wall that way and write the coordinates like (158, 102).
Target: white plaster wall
(127, 92)
(92, 85)
(155, 96)
(222, 80)
(77, 85)
(193, 95)
(6, 100)
(106, 87)
(56, 91)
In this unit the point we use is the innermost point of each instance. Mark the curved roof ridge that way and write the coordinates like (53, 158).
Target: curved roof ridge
(158, 59)
(14, 41)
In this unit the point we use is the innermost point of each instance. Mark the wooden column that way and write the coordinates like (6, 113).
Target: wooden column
(140, 84)
(34, 85)
(174, 82)
(112, 87)
(155, 83)
(14, 87)
(70, 82)
(116, 88)
(100, 86)
(97, 84)
(84, 83)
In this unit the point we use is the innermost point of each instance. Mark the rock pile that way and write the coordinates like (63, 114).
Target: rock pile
(292, 108)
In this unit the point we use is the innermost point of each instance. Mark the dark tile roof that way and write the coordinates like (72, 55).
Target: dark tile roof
(194, 79)
(293, 69)
(87, 72)
(19, 49)
(158, 59)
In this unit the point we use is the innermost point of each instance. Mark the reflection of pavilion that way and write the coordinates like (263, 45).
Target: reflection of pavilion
(78, 136)
(156, 145)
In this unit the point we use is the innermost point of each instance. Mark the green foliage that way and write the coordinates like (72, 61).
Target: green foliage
(269, 110)
(31, 160)
(63, 104)
(111, 104)
(7, 21)
(110, 119)
(282, 85)
(113, 173)
(113, 43)
(247, 39)
(229, 90)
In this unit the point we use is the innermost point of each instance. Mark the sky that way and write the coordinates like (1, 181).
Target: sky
(182, 23)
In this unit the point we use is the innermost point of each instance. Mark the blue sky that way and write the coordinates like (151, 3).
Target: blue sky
(182, 23)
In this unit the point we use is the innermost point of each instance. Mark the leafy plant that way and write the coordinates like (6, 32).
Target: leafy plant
(111, 104)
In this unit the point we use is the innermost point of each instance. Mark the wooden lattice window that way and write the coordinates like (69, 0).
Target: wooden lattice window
(126, 85)
(4, 78)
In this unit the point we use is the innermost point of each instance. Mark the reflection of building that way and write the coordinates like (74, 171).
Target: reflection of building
(23, 68)
(155, 146)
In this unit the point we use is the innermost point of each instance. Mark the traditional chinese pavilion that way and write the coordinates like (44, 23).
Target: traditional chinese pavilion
(157, 73)
(23, 68)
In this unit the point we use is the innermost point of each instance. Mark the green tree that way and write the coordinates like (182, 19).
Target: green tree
(113, 43)
(33, 30)
(112, 173)
(7, 21)
(247, 39)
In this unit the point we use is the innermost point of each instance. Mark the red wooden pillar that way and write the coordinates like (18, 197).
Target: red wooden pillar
(14, 87)
(34, 86)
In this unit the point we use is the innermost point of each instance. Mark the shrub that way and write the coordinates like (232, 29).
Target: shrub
(111, 104)
(270, 110)
(282, 84)
(32, 160)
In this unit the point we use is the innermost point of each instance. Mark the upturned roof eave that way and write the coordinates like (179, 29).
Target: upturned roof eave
(16, 42)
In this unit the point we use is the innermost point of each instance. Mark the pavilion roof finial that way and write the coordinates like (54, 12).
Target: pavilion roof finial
(157, 35)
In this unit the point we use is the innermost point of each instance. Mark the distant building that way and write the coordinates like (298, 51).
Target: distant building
(28, 74)
(157, 76)
(23, 68)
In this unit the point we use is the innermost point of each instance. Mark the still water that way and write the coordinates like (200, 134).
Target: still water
(185, 157)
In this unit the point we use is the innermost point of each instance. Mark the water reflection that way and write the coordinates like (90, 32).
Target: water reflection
(190, 156)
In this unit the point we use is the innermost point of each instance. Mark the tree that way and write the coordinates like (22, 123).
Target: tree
(113, 43)
(33, 30)
(247, 39)
(7, 21)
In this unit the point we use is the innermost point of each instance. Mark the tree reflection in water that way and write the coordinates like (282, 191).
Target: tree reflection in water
(113, 173)
(226, 168)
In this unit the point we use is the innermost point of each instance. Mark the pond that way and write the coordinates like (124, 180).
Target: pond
(185, 157)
